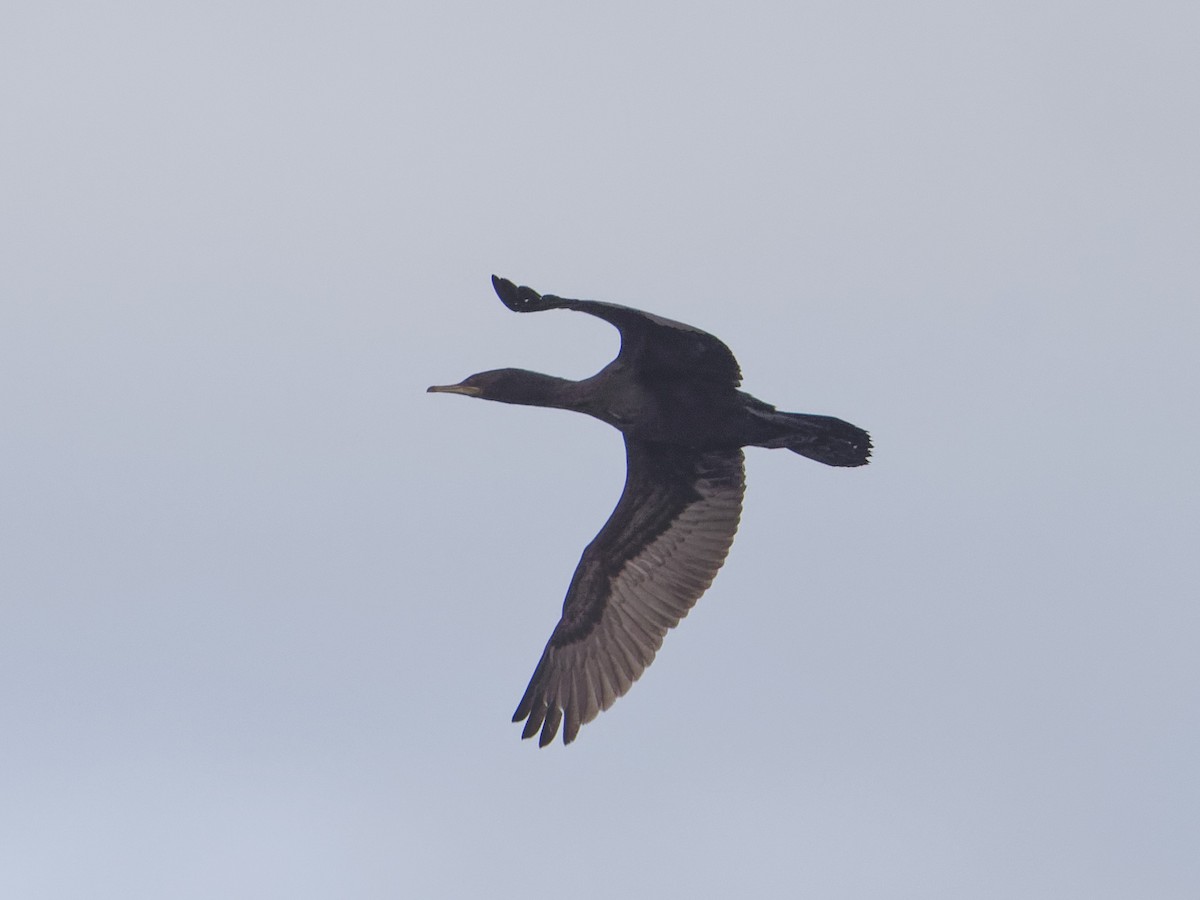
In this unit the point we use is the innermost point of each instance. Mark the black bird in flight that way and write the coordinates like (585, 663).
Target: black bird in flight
(672, 392)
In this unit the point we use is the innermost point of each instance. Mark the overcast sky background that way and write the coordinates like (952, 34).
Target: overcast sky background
(266, 607)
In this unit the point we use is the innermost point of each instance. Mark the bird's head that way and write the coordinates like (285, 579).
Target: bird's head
(509, 386)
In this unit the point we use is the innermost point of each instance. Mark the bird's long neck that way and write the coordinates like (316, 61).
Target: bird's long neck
(547, 390)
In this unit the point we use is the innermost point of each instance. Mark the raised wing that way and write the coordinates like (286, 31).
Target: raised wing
(652, 344)
(658, 552)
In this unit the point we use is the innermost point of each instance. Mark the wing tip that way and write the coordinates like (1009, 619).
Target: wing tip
(505, 290)
(522, 298)
(541, 717)
(518, 298)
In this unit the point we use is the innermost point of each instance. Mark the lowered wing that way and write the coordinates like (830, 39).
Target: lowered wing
(658, 552)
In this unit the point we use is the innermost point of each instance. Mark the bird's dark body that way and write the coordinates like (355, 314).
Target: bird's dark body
(671, 409)
(673, 393)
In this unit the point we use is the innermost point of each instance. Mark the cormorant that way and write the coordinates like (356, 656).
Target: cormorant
(672, 392)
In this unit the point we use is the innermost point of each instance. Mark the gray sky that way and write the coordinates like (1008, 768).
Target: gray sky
(266, 607)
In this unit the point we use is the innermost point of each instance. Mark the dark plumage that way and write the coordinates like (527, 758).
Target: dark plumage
(672, 392)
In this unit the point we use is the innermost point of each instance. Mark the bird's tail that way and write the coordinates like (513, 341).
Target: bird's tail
(823, 438)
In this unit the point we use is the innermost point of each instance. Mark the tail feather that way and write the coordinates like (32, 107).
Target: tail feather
(823, 438)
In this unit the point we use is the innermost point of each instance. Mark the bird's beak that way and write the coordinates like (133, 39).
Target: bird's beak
(464, 389)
